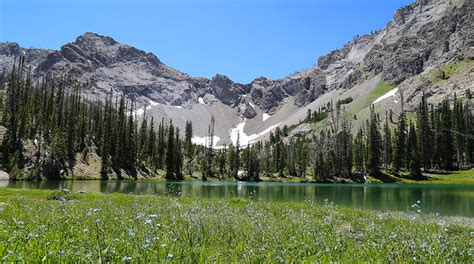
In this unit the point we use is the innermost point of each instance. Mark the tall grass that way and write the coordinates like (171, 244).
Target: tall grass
(127, 228)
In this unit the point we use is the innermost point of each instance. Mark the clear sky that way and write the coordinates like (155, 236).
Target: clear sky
(242, 39)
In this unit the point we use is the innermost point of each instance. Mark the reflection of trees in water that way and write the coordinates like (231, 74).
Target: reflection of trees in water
(173, 189)
(252, 191)
(447, 200)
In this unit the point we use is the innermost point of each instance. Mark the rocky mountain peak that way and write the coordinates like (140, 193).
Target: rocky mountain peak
(225, 89)
(10, 49)
(102, 51)
(94, 40)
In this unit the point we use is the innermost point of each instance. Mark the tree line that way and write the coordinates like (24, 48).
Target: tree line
(63, 128)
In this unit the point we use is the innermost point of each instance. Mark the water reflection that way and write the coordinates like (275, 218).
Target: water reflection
(444, 199)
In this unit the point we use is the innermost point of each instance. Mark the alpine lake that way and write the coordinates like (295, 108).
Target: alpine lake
(443, 199)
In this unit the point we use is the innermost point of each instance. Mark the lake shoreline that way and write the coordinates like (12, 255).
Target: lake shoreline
(461, 177)
(446, 199)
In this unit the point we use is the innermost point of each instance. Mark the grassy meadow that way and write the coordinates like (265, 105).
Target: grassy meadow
(454, 177)
(52, 226)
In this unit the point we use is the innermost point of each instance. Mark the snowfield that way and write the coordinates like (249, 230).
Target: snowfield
(244, 139)
(204, 141)
(265, 117)
(141, 111)
(385, 96)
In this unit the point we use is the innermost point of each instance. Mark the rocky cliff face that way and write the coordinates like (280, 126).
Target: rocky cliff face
(9, 51)
(421, 36)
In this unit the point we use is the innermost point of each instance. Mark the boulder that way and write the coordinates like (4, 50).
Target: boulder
(4, 176)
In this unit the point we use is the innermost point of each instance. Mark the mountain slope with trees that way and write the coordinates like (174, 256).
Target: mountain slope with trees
(51, 130)
(427, 37)
(395, 101)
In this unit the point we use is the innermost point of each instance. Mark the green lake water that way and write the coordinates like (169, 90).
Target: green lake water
(443, 199)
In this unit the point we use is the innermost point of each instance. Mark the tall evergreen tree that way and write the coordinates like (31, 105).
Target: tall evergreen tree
(143, 139)
(151, 155)
(359, 151)
(188, 146)
(374, 144)
(170, 151)
(400, 146)
(445, 135)
(178, 157)
(425, 136)
(161, 144)
(459, 130)
(209, 151)
(131, 150)
(237, 156)
(387, 144)
(414, 157)
(232, 160)
(469, 127)
(119, 156)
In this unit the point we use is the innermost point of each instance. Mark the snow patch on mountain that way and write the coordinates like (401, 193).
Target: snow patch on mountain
(204, 141)
(243, 138)
(385, 96)
(141, 111)
(265, 117)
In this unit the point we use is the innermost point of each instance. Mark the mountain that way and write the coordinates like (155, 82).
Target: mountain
(428, 47)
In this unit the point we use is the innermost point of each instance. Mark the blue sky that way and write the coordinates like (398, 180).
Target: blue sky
(242, 39)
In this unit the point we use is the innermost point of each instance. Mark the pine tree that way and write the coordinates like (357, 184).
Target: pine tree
(170, 158)
(292, 159)
(232, 160)
(437, 147)
(400, 146)
(70, 129)
(414, 157)
(188, 146)
(221, 160)
(255, 165)
(266, 163)
(359, 151)
(345, 150)
(131, 150)
(459, 130)
(209, 151)
(178, 157)
(374, 145)
(105, 143)
(425, 137)
(469, 125)
(247, 162)
(161, 144)
(445, 136)
(119, 157)
(237, 157)
(143, 139)
(279, 157)
(387, 144)
(301, 156)
(151, 155)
